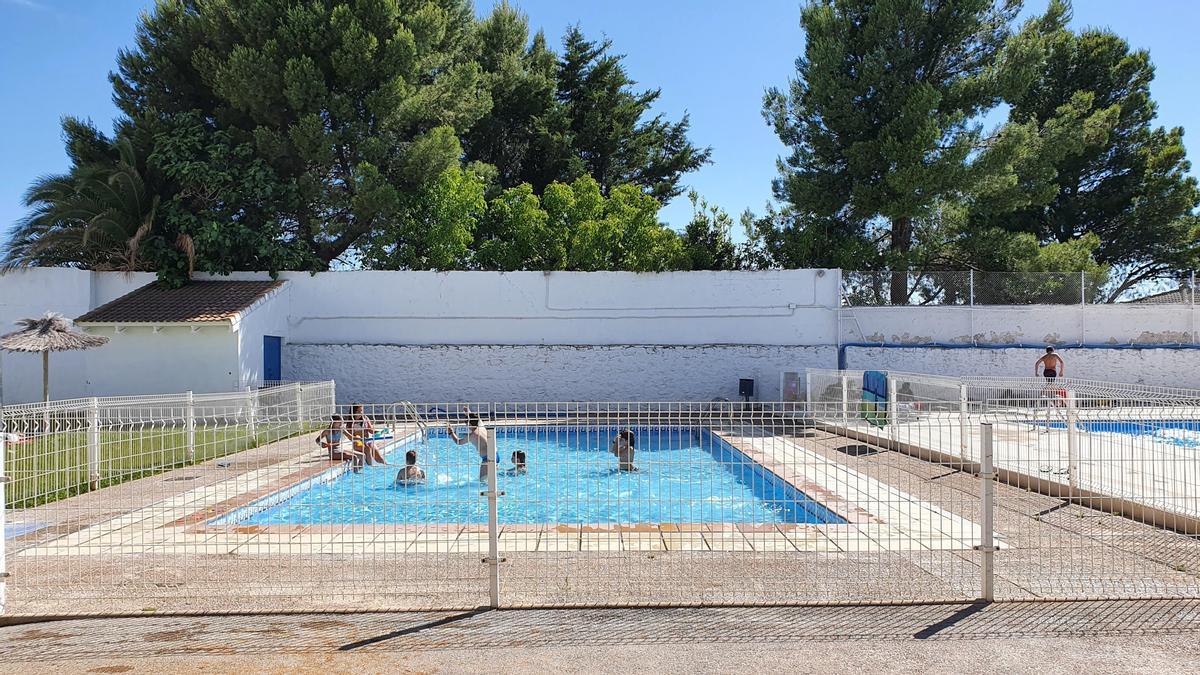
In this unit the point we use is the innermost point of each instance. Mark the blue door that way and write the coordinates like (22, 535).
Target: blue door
(272, 356)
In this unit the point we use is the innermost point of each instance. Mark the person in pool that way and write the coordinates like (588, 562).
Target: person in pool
(477, 436)
(623, 446)
(411, 474)
(334, 440)
(361, 425)
(518, 468)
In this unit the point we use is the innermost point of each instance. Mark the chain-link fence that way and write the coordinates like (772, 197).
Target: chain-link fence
(908, 288)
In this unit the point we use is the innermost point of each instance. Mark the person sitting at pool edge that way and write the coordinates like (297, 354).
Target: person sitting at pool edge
(519, 468)
(331, 439)
(361, 425)
(623, 446)
(476, 437)
(411, 474)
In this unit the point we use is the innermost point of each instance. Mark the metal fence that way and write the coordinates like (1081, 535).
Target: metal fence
(911, 288)
(932, 498)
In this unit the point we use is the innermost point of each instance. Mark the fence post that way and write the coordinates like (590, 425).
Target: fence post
(3, 509)
(493, 556)
(845, 400)
(962, 421)
(986, 546)
(93, 443)
(808, 397)
(1072, 442)
(971, 285)
(1082, 288)
(251, 414)
(892, 402)
(190, 426)
(300, 426)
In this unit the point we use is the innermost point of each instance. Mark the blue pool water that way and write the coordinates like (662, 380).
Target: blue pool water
(1185, 433)
(685, 475)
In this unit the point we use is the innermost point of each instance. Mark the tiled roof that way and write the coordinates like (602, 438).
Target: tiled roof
(199, 301)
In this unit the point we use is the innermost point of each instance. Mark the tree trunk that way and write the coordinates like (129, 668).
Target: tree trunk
(901, 243)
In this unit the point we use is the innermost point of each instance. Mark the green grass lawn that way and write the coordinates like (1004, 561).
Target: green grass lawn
(55, 466)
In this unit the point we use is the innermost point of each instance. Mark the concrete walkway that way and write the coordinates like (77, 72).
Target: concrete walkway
(1094, 637)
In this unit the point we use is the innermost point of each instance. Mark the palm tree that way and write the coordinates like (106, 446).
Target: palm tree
(98, 216)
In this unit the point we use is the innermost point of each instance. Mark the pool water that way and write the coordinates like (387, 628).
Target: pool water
(1185, 433)
(685, 475)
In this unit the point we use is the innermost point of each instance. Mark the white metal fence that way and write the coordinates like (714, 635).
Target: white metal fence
(730, 503)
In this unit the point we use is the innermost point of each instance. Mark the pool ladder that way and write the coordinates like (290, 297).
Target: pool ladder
(410, 409)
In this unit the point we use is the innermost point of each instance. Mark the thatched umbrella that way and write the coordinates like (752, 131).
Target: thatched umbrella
(51, 332)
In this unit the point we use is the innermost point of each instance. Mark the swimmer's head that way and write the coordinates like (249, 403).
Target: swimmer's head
(518, 458)
(473, 420)
(410, 457)
(1049, 350)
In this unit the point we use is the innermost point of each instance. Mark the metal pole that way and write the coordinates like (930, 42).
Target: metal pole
(892, 404)
(3, 513)
(1072, 442)
(971, 284)
(986, 545)
(493, 557)
(300, 426)
(93, 443)
(251, 413)
(962, 421)
(190, 422)
(845, 400)
(808, 397)
(1082, 289)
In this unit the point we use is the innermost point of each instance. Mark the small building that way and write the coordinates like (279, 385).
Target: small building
(208, 336)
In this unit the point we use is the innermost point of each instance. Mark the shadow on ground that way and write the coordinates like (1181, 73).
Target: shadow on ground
(492, 629)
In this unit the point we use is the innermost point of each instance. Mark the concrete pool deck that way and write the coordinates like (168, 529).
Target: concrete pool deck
(124, 552)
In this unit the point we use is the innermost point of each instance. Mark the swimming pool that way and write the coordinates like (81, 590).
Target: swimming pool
(1185, 433)
(686, 475)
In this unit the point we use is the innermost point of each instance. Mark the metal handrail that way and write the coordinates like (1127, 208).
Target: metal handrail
(411, 409)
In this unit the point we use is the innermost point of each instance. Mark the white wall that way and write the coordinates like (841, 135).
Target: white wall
(597, 308)
(1162, 366)
(739, 321)
(454, 373)
(31, 293)
(140, 361)
(1038, 324)
(268, 316)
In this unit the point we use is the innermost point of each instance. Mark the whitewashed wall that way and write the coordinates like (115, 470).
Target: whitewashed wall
(1126, 323)
(174, 359)
(31, 293)
(453, 373)
(380, 327)
(268, 316)
(1164, 367)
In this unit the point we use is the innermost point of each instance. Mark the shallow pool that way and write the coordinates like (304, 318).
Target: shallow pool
(686, 475)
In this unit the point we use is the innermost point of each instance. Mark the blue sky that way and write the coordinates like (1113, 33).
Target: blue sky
(712, 58)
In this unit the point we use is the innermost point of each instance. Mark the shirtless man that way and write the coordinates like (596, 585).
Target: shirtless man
(1050, 366)
(476, 437)
(624, 446)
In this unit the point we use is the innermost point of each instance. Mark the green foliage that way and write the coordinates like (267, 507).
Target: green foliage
(559, 119)
(706, 241)
(103, 214)
(1125, 180)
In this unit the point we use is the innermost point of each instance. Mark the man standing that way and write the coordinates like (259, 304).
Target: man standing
(476, 437)
(1050, 365)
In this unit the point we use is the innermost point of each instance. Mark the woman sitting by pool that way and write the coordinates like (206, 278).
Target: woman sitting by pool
(519, 468)
(361, 425)
(331, 439)
(623, 447)
(411, 474)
